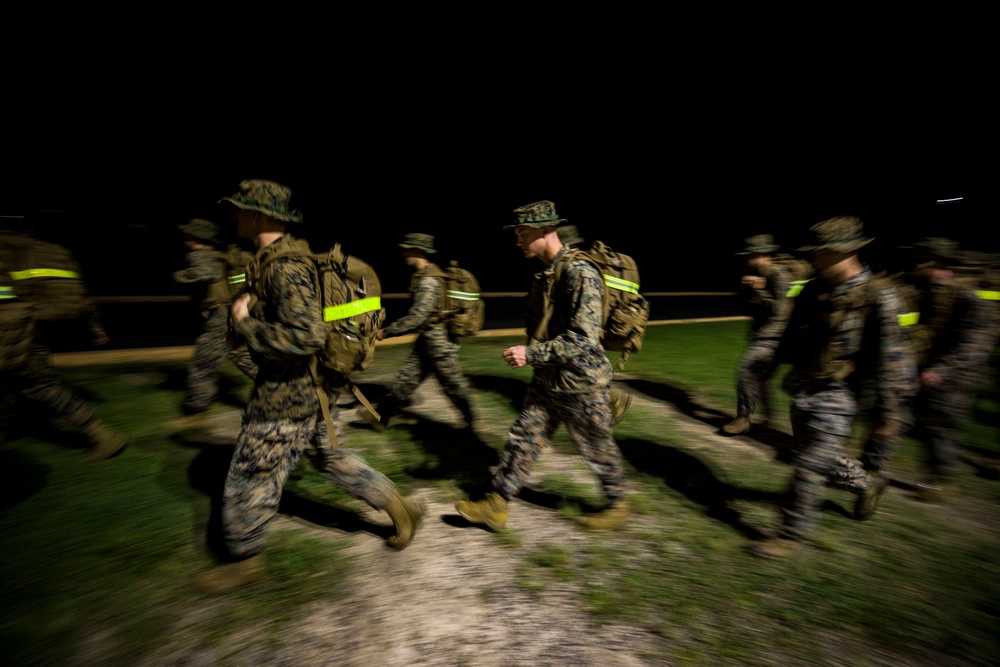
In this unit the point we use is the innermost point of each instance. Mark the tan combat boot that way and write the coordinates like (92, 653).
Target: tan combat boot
(620, 402)
(105, 441)
(738, 426)
(776, 547)
(611, 516)
(406, 515)
(228, 576)
(867, 502)
(491, 511)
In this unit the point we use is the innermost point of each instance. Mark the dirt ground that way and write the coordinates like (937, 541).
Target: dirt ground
(452, 597)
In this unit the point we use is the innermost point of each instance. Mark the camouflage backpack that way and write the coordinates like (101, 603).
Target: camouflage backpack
(222, 292)
(47, 275)
(17, 323)
(625, 311)
(464, 310)
(800, 270)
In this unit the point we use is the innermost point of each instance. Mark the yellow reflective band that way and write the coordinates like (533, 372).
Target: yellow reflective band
(346, 310)
(988, 295)
(7, 292)
(795, 288)
(464, 296)
(908, 319)
(43, 273)
(619, 284)
(238, 278)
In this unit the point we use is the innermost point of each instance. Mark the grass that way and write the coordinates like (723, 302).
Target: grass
(92, 553)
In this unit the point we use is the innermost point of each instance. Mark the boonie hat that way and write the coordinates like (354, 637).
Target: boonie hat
(539, 214)
(423, 242)
(267, 197)
(762, 244)
(840, 234)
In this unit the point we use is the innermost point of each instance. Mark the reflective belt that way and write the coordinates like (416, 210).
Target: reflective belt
(464, 296)
(619, 284)
(795, 288)
(43, 273)
(237, 279)
(7, 292)
(988, 295)
(908, 319)
(346, 310)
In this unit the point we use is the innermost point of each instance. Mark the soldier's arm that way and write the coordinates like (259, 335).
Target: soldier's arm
(896, 368)
(426, 298)
(202, 268)
(298, 328)
(975, 338)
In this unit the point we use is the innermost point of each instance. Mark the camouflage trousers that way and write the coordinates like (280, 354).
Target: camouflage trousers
(939, 416)
(38, 382)
(751, 387)
(210, 351)
(434, 353)
(820, 461)
(588, 421)
(266, 453)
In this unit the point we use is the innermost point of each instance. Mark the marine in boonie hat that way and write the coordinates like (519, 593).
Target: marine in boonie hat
(266, 197)
(423, 242)
(841, 234)
(759, 244)
(201, 229)
(569, 235)
(539, 214)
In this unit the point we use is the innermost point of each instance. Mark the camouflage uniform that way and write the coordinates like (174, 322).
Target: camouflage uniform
(961, 322)
(207, 268)
(837, 337)
(281, 419)
(434, 351)
(571, 379)
(767, 304)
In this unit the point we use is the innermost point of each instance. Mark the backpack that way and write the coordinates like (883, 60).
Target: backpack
(221, 293)
(350, 293)
(465, 310)
(47, 275)
(625, 312)
(801, 271)
(17, 326)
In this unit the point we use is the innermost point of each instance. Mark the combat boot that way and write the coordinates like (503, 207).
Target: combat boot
(738, 426)
(491, 511)
(775, 548)
(867, 502)
(228, 576)
(406, 515)
(609, 517)
(105, 441)
(620, 402)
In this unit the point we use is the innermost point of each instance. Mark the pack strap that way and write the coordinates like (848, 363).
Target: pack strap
(324, 401)
(43, 273)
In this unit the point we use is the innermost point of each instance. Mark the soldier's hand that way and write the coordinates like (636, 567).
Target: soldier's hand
(240, 309)
(755, 282)
(516, 356)
(929, 378)
(380, 334)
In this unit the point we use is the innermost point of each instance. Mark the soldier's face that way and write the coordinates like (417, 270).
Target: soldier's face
(529, 240)
(411, 256)
(831, 266)
(245, 227)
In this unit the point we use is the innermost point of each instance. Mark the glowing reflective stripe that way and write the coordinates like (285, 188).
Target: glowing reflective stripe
(908, 319)
(345, 310)
(989, 295)
(795, 288)
(43, 273)
(237, 279)
(7, 292)
(464, 296)
(619, 284)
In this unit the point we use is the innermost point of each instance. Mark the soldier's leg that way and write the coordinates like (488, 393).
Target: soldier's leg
(944, 408)
(748, 383)
(589, 424)
(347, 469)
(455, 385)
(210, 351)
(529, 434)
(266, 452)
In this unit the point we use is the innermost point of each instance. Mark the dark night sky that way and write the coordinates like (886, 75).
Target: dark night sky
(669, 134)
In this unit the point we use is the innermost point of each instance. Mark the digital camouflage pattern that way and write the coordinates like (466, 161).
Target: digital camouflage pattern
(434, 351)
(962, 329)
(836, 342)
(267, 197)
(266, 453)
(568, 356)
(539, 214)
(588, 421)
